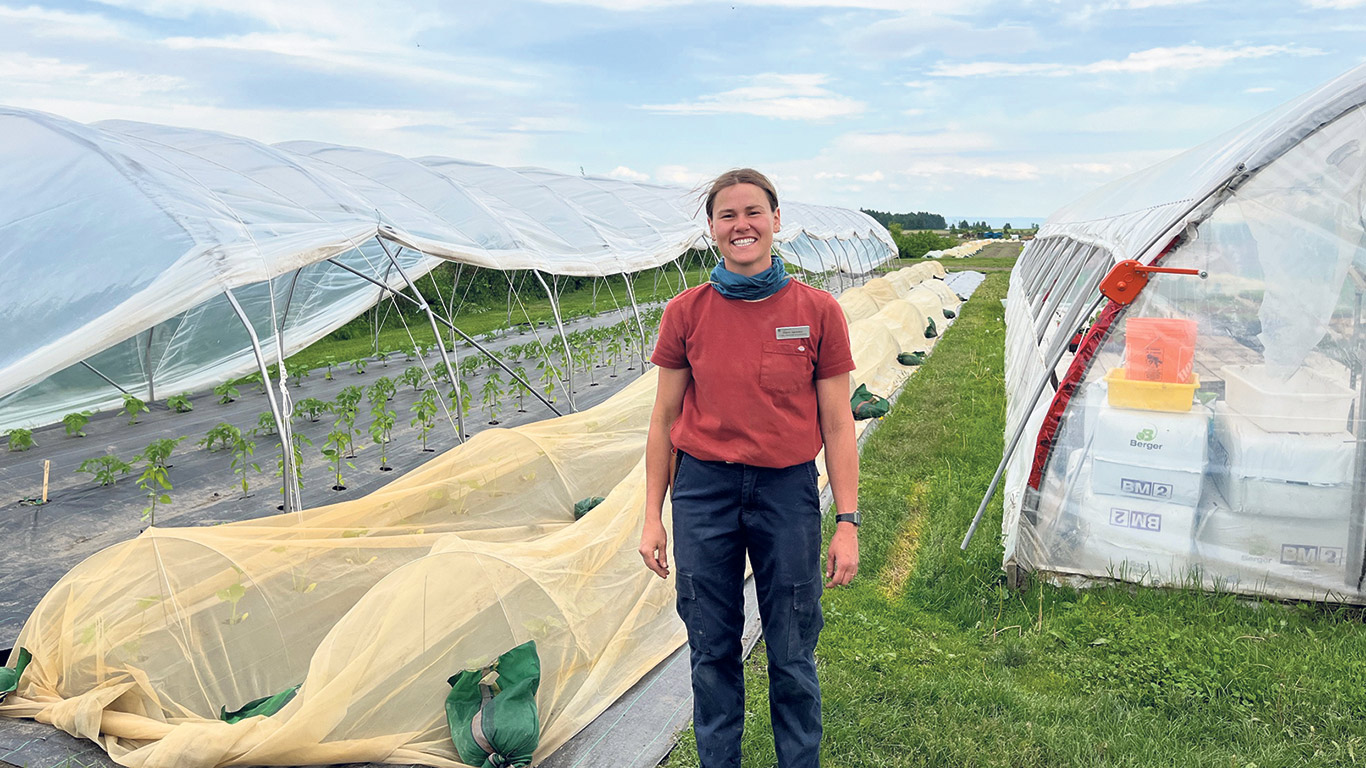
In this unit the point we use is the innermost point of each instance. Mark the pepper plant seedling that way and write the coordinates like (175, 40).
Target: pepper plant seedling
(154, 479)
(242, 449)
(133, 405)
(75, 423)
(20, 439)
(413, 377)
(492, 392)
(106, 468)
(334, 450)
(311, 407)
(180, 403)
(227, 392)
(424, 417)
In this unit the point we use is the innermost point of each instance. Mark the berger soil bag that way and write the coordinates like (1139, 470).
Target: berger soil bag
(492, 711)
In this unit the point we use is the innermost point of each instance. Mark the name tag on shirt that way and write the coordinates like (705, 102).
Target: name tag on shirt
(795, 332)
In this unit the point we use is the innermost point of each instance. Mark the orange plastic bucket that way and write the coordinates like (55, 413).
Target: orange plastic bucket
(1159, 349)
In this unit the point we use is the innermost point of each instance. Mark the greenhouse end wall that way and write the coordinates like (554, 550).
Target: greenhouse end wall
(1213, 440)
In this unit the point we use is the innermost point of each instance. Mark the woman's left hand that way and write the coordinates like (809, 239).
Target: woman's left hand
(841, 565)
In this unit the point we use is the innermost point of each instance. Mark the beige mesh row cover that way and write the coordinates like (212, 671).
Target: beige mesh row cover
(372, 604)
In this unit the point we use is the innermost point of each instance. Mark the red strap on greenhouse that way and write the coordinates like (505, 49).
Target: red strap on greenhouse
(1075, 373)
(1086, 353)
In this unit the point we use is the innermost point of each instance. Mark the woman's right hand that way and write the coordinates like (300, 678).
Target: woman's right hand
(654, 547)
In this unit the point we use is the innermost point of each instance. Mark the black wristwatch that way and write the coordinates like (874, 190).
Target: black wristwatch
(849, 517)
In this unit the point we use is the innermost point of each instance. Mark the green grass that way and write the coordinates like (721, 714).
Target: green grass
(928, 659)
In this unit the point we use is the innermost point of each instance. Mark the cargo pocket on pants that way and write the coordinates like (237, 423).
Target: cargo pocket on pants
(690, 611)
(804, 629)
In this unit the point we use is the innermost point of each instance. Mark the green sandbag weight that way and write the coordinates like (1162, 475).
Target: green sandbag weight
(264, 706)
(911, 358)
(582, 506)
(9, 678)
(867, 405)
(931, 330)
(492, 713)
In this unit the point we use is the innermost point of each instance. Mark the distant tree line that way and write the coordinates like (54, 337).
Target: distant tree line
(913, 245)
(908, 221)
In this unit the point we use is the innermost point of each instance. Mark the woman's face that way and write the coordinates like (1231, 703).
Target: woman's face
(742, 224)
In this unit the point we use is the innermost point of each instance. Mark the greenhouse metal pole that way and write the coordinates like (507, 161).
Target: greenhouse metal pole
(293, 503)
(1050, 364)
(454, 330)
(569, 358)
(821, 259)
(436, 334)
(851, 261)
(147, 363)
(635, 308)
(111, 382)
(678, 262)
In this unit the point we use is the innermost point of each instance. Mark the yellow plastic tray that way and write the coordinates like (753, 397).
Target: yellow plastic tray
(1150, 395)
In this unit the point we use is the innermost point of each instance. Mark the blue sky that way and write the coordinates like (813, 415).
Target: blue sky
(971, 108)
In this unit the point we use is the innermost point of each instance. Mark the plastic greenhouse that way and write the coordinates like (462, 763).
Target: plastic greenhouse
(160, 259)
(152, 260)
(1209, 432)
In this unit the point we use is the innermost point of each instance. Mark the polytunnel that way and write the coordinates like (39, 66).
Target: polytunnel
(1207, 434)
(151, 260)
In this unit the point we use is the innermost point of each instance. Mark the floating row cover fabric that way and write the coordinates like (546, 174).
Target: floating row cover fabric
(120, 240)
(1259, 487)
(374, 603)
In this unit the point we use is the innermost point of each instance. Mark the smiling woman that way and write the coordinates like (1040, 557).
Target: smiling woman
(753, 382)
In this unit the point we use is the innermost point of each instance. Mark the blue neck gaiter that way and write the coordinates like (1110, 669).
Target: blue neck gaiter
(760, 286)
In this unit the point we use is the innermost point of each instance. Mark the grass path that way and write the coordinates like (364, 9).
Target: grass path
(930, 660)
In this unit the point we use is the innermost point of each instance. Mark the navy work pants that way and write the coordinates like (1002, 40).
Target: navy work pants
(722, 511)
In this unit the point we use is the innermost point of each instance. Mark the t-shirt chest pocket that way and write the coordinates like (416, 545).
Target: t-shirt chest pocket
(786, 366)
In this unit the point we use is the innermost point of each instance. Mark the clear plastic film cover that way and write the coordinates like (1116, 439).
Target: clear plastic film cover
(1214, 439)
(122, 240)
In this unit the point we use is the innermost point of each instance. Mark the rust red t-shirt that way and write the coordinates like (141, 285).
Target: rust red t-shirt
(754, 365)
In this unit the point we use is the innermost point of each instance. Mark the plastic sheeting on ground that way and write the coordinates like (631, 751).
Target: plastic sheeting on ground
(372, 604)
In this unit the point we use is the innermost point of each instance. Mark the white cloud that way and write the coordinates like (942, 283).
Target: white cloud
(347, 19)
(622, 172)
(44, 22)
(408, 132)
(681, 174)
(19, 71)
(1262, 89)
(913, 34)
(1153, 117)
(875, 176)
(1184, 58)
(784, 97)
(1336, 5)
(978, 169)
(334, 55)
(912, 143)
(919, 6)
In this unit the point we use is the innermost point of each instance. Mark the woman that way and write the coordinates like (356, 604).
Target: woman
(753, 380)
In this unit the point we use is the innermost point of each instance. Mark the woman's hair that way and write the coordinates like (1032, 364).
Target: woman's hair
(741, 176)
